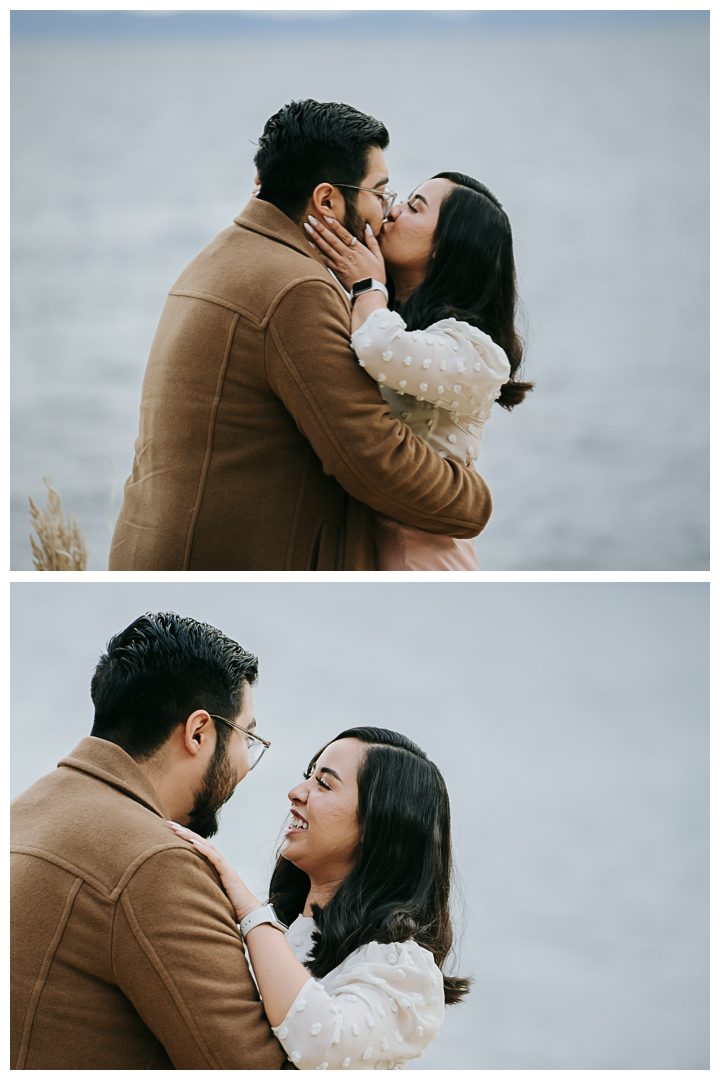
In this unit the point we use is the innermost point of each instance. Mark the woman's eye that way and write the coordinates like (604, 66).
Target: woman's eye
(413, 207)
(323, 783)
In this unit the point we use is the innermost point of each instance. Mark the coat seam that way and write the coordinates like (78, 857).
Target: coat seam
(159, 967)
(44, 971)
(298, 511)
(93, 883)
(296, 284)
(135, 865)
(211, 298)
(153, 1048)
(209, 445)
(64, 864)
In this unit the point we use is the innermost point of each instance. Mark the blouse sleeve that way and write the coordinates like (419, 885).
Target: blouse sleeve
(451, 364)
(383, 1006)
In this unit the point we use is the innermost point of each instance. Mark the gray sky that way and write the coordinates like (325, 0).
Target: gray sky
(570, 722)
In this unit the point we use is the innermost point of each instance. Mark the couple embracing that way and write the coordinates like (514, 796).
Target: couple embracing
(319, 381)
(129, 930)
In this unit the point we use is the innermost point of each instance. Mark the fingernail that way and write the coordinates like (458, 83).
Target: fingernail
(367, 227)
(312, 219)
(330, 221)
(175, 824)
(309, 227)
(311, 244)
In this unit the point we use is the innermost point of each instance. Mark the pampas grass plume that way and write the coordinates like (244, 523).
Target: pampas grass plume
(62, 546)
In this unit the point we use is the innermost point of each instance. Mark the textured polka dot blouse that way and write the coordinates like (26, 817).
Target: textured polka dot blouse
(381, 1007)
(441, 381)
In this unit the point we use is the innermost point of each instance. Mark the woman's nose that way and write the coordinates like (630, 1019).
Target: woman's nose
(298, 793)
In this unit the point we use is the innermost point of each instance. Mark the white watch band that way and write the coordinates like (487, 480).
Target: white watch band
(261, 915)
(374, 286)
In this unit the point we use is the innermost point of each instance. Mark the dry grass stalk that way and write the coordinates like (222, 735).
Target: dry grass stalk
(62, 545)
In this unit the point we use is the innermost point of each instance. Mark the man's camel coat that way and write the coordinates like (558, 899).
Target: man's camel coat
(262, 442)
(124, 949)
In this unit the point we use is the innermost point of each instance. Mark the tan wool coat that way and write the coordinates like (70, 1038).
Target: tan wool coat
(124, 949)
(262, 442)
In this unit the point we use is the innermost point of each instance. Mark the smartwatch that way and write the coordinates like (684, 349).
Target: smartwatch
(261, 915)
(367, 285)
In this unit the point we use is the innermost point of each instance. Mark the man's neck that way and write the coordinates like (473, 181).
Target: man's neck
(174, 794)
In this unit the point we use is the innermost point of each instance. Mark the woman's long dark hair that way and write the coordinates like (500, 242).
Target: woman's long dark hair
(471, 274)
(399, 887)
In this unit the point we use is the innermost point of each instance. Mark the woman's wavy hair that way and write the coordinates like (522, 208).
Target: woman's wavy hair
(399, 887)
(471, 274)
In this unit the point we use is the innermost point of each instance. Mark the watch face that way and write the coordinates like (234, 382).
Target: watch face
(362, 286)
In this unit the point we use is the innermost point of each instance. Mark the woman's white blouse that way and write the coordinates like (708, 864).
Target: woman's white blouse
(381, 1007)
(441, 381)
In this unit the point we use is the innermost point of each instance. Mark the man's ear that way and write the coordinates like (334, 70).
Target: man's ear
(198, 729)
(326, 201)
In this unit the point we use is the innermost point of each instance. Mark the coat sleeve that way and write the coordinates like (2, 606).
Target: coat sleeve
(338, 408)
(451, 364)
(177, 956)
(382, 1007)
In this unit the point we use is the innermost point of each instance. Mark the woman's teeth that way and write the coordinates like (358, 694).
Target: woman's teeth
(297, 824)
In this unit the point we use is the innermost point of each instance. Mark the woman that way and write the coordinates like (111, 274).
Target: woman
(449, 254)
(362, 878)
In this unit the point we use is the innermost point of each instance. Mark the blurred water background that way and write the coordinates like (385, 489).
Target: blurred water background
(132, 138)
(570, 722)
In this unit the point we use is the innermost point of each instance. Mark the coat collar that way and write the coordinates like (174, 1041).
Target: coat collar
(107, 762)
(263, 217)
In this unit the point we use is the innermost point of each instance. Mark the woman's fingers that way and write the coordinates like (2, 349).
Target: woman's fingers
(349, 262)
(188, 834)
(318, 237)
(340, 231)
(330, 237)
(196, 839)
(328, 253)
(371, 241)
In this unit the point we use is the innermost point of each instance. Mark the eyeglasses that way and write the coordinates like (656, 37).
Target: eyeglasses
(256, 745)
(387, 198)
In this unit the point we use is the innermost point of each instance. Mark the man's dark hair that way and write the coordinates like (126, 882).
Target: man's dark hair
(157, 672)
(310, 142)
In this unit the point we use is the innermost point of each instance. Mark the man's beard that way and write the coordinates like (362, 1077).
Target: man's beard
(218, 785)
(353, 222)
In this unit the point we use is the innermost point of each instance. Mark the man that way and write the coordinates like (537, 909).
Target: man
(262, 442)
(124, 949)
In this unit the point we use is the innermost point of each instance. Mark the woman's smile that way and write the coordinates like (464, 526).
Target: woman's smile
(296, 824)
